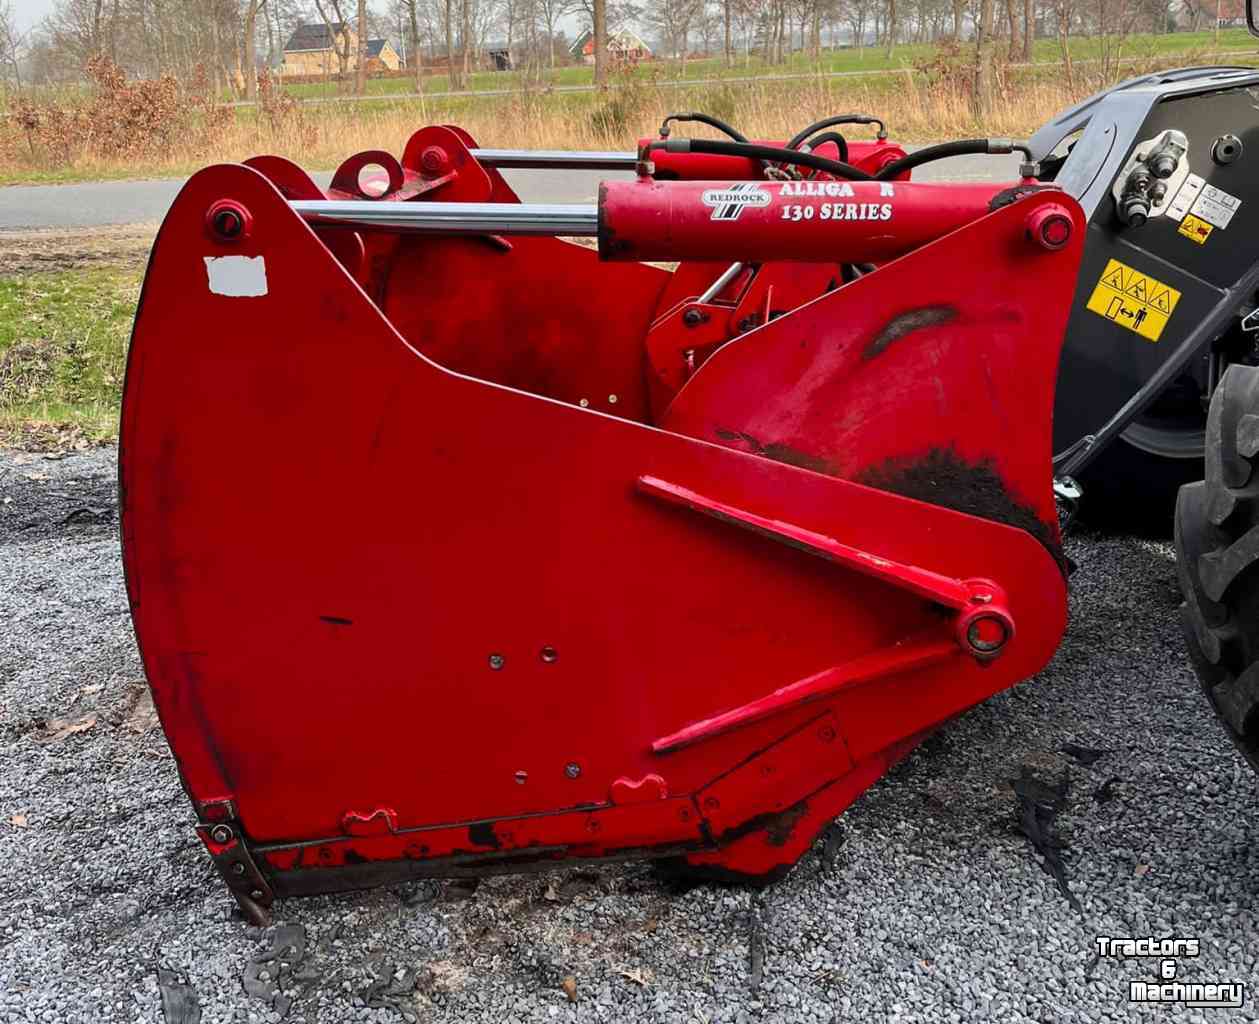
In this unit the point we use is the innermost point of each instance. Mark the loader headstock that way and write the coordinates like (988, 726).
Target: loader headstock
(569, 557)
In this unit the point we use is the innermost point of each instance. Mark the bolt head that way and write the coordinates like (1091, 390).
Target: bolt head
(221, 834)
(497, 661)
(433, 159)
(238, 869)
(572, 770)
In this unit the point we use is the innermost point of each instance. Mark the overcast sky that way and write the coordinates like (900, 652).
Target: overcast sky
(30, 11)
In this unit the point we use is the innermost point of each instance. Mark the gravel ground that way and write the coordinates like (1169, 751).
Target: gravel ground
(933, 907)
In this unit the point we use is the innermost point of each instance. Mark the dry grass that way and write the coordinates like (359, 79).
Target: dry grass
(923, 104)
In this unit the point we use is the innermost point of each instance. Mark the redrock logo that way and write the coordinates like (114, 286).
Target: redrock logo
(728, 203)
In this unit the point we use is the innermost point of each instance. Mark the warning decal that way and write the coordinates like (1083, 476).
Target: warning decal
(1133, 300)
(1195, 230)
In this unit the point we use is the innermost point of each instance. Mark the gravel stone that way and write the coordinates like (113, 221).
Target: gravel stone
(931, 908)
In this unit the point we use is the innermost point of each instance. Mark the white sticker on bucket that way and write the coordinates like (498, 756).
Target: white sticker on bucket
(240, 277)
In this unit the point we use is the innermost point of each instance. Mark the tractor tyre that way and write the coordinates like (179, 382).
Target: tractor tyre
(1217, 560)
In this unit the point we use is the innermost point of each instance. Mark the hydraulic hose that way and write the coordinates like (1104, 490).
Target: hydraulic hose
(754, 151)
(820, 140)
(708, 119)
(962, 147)
(831, 122)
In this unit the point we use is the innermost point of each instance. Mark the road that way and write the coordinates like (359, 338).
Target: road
(100, 203)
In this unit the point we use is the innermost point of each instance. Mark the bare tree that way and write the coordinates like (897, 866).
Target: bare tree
(249, 33)
(551, 12)
(360, 70)
(673, 20)
(984, 72)
(856, 14)
(1064, 10)
(409, 8)
(465, 36)
(12, 44)
(600, 28)
(338, 37)
(454, 70)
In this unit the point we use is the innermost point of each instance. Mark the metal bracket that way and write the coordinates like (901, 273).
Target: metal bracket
(1067, 495)
(226, 845)
(982, 625)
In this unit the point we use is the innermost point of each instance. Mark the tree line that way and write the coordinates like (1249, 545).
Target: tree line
(227, 41)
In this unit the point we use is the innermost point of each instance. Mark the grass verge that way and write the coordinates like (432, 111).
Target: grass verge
(63, 346)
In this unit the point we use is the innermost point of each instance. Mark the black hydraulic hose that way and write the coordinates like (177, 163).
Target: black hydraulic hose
(831, 122)
(708, 119)
(962, 147)
(841, 143)
(754, 151)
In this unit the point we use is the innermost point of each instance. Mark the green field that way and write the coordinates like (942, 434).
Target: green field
(63, 343)
(1195, 45)
(831, 61)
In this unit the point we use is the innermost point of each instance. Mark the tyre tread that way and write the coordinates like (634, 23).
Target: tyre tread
(1217, 551)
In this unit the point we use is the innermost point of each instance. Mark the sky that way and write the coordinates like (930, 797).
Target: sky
(29, 12)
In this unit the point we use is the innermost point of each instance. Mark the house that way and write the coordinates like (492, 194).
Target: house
(623, 44)
(313, 49)
(381, 56)
(1194, 15)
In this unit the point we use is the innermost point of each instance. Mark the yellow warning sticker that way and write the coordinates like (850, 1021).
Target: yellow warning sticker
(1195, 229)
(1133, 300)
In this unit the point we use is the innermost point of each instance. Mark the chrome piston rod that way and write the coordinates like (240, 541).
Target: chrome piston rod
(454, 218)
(556, 159)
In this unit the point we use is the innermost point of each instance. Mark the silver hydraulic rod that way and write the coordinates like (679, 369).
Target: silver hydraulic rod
(454, 218)
(556, 159)
(725, 277)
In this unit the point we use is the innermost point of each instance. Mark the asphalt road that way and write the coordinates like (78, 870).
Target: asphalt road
(98, 203)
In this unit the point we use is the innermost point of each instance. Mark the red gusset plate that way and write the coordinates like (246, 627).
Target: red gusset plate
(407, 621)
